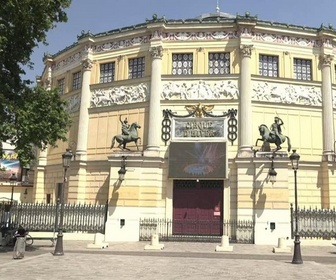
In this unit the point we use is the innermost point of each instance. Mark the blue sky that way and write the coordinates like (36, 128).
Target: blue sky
(103, 15)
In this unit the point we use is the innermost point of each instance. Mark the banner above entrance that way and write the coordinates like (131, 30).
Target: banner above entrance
(197, 160)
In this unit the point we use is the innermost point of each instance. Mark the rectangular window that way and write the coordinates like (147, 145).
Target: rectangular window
(136, 68)
(268, 65)
(302, 69)
(76, 81)
(48, 198)
(182, 64)
(60, 86)
(107, 71)
(219, 63)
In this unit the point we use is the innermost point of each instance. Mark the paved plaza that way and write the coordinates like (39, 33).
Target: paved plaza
(175, 261)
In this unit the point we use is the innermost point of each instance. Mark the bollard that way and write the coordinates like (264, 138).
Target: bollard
(19, 248)
(224, 247)
(155, 245)
(282, 248)
(98, 242)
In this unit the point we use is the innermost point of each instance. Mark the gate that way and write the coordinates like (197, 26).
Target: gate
(198, 207)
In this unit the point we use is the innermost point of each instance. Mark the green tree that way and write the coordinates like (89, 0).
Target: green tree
(29, 116)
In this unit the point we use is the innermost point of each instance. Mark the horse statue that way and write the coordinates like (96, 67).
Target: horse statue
(270, 137)
(124, 139)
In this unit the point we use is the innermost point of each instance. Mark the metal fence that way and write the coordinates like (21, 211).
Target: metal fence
(44, 217)
(314, 223)
(238, 231)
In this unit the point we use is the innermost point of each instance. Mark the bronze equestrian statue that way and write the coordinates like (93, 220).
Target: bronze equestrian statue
(273, 135)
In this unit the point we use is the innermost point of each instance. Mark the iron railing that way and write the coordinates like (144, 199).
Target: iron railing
(314, 223)
(238, 231)
(43, 217)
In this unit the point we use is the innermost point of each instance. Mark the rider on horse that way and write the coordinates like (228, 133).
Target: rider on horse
(275, 128)
(124, 126)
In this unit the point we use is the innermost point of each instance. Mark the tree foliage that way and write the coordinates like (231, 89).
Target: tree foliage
(28, 115)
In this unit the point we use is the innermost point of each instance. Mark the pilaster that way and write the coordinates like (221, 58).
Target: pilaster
(153, 147)
(327, 108)
(39, 176)
(83, 126)
(76, 186)
(245, 103)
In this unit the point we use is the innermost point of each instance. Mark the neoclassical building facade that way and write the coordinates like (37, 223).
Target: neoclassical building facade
(198, 90)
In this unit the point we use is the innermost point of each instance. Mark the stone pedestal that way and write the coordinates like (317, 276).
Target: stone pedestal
(224, 247)
(98, 242)
(155, 245)
(282, 248)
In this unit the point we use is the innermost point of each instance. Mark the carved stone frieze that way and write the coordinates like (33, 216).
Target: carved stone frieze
(156, 52)
(73, 103)
(194, 36)
(288, 94)
(200, 90)
(245, 32)
(119, 95)
(286, 40)
(156, 35)
(68, 61)
(120, 44)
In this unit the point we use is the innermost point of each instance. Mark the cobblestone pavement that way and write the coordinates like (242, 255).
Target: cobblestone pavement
(176, 261)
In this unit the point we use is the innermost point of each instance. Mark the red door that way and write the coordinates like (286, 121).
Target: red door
(197, 207)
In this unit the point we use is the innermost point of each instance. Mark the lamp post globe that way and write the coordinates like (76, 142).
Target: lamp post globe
(297, 258)
(66, 159)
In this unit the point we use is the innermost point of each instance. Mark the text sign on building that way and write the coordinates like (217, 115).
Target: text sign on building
(198, 128)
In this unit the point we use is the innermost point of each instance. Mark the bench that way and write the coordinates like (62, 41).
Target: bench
(36, 237)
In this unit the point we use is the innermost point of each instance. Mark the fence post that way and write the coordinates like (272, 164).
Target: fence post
(105, 217)
(291, 221)
(56, 217)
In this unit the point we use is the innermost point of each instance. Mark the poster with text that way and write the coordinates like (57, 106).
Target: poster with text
(9, 164)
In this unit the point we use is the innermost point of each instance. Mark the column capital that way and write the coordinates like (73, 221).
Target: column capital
(87, 64)
(156, 52)
(246, 50)
(326, 59)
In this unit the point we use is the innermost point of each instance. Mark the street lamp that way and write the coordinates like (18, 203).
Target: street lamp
(12, 179)
(66, 157)
(297, 259)
(122, 171)
(271, 172)
(25, 178)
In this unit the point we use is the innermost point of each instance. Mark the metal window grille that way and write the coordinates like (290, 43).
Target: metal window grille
(182, 64)
(76, 80)
(219, 63)
(61, 85)
(136, 68)
(107, 71)
(268, 65)
(302, 69)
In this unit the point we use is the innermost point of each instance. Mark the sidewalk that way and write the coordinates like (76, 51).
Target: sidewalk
(183, 260)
